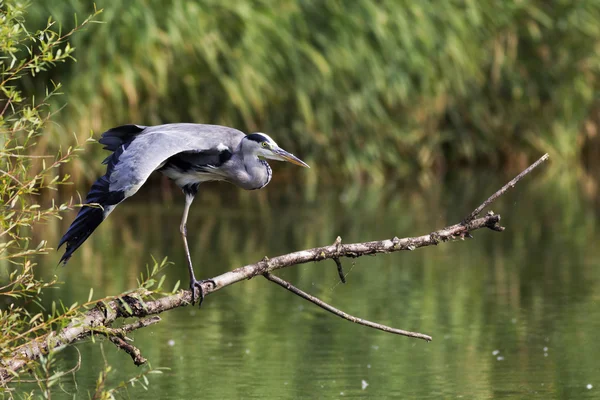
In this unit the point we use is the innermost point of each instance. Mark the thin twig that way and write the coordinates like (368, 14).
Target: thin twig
(12, 177)
(141, 323)
(340, 313)
(134, 352)
(504, 188)
(118, 338)
(8, 101)
(340, 269)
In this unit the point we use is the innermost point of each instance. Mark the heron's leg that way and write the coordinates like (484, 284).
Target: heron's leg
(183, 229)
(189, 198)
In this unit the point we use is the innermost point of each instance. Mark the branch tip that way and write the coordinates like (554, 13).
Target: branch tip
(340, 269)
(504, 188)
(134, 352)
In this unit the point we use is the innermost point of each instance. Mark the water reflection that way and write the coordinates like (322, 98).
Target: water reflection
(512, 314)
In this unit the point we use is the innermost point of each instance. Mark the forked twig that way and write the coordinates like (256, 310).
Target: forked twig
(491, 221)
(134, 352)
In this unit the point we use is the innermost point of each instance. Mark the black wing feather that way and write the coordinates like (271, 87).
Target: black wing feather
(113, 138)
(197, 160)
(92, 214)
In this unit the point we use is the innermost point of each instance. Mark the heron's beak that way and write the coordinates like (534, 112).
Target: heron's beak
(283, 155)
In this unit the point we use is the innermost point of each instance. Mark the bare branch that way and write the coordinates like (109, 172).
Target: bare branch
(107, 312)
(136, 305)
(504, 188)
(340, 313)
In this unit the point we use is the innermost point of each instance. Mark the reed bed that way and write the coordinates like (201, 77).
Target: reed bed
(362, 89)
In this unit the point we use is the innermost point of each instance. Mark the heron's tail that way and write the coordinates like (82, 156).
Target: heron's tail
(99, 202)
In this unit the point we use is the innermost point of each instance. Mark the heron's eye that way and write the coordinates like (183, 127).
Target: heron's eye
(265, 144)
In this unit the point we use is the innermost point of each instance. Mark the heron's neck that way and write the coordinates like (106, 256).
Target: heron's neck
(256, 174)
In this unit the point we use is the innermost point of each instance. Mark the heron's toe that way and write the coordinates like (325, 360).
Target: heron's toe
(197, 285)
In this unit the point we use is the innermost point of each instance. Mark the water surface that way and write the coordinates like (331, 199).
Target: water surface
(512, 315)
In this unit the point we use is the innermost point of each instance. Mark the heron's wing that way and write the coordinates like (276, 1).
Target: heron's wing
(137, 152)
(114, 138)
(153, 147)
(200, 160)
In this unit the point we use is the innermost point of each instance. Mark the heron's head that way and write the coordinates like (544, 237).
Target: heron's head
(263, 146)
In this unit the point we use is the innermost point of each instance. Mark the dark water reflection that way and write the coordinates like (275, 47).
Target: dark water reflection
(512, 315)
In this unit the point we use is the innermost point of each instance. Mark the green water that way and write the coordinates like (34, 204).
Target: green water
(512, 315)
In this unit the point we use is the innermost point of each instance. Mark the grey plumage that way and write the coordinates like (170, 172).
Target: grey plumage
(150, 148)
(189, 154)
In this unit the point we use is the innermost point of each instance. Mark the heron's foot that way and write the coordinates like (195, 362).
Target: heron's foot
(194, 284)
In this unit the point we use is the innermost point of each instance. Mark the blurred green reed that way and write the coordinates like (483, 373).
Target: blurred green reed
(362, 89)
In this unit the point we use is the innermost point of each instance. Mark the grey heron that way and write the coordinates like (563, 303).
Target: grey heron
(188, 154)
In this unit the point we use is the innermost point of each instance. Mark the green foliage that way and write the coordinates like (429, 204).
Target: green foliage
(26, 178)
(352, 86)
(23, 177)
(102, 392)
